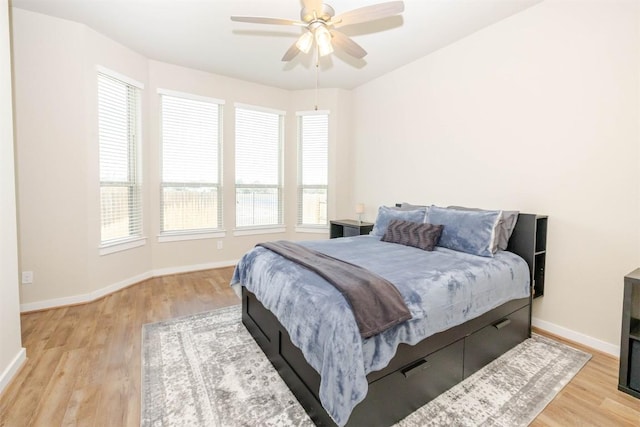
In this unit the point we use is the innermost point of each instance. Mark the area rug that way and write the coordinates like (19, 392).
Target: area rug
(206, 370)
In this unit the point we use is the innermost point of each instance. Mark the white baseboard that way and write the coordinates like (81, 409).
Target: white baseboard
(188, 268)
(561, 331)
(92, 296)
(7, 375)
(580, 338)
(84, 298)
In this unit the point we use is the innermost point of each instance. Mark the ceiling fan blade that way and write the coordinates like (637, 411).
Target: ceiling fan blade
(341, 41)
(262, 20)
(291, 53)
(369, 13)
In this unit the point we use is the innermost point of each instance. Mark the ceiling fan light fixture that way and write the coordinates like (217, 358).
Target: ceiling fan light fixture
(325, 49)
(321, 25)
(323, 39)
(305, 42)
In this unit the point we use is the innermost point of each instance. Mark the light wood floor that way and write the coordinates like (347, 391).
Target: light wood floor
(83, 366)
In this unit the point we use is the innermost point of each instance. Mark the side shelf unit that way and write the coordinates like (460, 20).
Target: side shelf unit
(629, 376)
(535, 255)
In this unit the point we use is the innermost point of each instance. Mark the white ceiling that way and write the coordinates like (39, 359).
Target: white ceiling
(199, 34)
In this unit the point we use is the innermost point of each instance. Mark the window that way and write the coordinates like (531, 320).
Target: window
(191, 196)
(118, 138)
(313, 162)
(258, 167)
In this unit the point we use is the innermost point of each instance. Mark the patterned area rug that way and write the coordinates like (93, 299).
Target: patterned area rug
(206, 370)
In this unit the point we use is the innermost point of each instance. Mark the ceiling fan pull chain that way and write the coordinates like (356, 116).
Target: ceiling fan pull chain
(317, 73)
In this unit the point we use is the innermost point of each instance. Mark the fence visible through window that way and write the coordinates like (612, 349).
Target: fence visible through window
(190, 208)
(314, 206)
(257, 206)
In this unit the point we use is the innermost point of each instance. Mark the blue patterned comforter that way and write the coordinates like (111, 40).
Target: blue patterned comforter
(442, 289)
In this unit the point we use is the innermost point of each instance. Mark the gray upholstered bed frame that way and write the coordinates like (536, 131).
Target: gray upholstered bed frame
(417, 373)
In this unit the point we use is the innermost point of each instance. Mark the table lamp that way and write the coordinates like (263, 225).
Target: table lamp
(360, 211)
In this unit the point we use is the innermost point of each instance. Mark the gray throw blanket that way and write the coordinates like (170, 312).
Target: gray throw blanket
(376, 303)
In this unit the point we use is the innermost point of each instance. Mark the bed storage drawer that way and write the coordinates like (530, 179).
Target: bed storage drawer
(493, 340)
(260, 321)
(415, 383)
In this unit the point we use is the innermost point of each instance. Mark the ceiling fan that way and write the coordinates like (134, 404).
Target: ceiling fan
(320, 22)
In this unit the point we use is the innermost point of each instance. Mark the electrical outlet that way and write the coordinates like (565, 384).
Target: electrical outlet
(27, 277)
(219, 244)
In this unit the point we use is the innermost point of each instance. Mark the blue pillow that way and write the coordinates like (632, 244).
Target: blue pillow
(386, 214)
(506, 225)
(472, 232)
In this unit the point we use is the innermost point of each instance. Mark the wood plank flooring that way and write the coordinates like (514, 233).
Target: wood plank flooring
(83, 366)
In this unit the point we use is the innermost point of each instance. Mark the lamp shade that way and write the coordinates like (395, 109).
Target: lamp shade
(304, 42)
(323, 39)
(360, 208)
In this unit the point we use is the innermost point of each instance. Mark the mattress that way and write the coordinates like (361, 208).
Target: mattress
(442, 289)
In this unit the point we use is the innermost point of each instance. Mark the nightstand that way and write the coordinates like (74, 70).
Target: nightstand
(348, 228)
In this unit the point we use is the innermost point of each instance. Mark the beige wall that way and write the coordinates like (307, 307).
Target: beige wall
(103, 271)
(50, 151)
(57, 157)
(166, 76)
(555, 89)
(11, 352)
(538, 112)
(57, 151)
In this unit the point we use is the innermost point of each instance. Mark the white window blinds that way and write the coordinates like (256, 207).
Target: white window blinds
(313, 164)
(258, 167)
(118, 125)
(191, 194)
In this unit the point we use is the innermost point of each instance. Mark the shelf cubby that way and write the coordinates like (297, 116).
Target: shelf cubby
(629, 374)
(534, 253)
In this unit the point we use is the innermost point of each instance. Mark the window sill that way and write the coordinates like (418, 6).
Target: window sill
(178, 237)
(123, 245)
(323, 229)
(258, 230)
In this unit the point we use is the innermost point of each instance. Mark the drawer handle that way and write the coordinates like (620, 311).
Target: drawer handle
(416, 368)
(501, 324)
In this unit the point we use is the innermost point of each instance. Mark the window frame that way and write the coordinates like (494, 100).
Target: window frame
(135, 238)
(302, 227)
(243, 230)
(193, 233)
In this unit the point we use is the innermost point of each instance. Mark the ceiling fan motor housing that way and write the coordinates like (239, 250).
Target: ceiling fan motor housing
(325, 13)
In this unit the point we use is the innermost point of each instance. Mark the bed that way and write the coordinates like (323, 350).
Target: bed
(462, 318)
